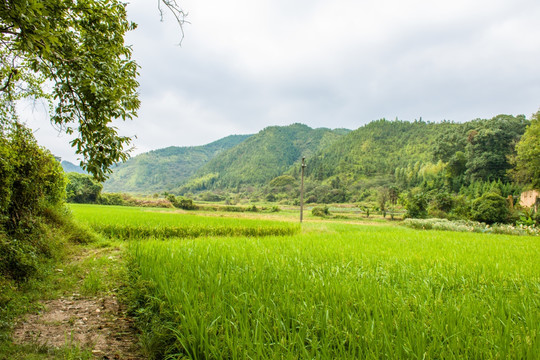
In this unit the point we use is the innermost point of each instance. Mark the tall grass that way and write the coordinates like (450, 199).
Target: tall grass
(340, 292)
(137, 223)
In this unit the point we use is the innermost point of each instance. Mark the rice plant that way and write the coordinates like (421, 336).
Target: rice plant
(140, 223)
(340, 292)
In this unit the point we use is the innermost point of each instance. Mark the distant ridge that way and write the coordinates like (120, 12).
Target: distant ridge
(70, 167)
(165, 169)
(262, 157)
(381, 153)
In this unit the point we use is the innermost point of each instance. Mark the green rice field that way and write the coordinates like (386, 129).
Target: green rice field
(139, 223)
(327, 290)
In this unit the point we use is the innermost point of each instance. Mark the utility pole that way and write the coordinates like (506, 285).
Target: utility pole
(302, 190)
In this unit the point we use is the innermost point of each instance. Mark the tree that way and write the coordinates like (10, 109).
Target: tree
(416, 203)
(82, 188)
(490, 208)
(527, 160)
(77, 48)
(490, 146)
(382, 199)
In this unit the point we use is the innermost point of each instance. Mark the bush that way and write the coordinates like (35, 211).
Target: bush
(82, 189)
(187, 204)
(461, 208)
(441, 204)
(30, 178)
(490, 208)
(282, 181)
(416, 204)
(181, 203)
(112, 199)
(311, 199)
(252, 208)
(321, 211)
(32, 184)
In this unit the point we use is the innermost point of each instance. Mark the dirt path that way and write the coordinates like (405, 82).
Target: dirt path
(98, 324)
(95, 323)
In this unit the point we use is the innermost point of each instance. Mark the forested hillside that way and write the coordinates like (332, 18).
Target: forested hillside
(165, 169)
(475, 150)
(262, 157)
(342, 165)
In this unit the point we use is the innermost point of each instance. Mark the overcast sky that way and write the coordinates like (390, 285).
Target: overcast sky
(248, 64)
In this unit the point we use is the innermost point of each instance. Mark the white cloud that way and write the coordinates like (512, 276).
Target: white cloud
(245, 64)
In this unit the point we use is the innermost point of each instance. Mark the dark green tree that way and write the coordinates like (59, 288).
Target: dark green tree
(490, 208)
(383, 197)
(527, 160)
(82, 188)
(491, 144)
(416, 203)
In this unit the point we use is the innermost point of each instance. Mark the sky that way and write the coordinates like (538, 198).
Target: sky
(244, 65)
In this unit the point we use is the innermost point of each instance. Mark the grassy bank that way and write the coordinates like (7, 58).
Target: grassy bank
(54, 238)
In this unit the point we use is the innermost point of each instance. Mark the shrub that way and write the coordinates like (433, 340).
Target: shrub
(31, 178)
(111, 199)
(82, 189)
(490, 208)
(321, 211)
(32, 183)
(187, 204)
(181, 203)
(416, 204)
(252, 208)
(441, 204)
(311, 199)
(211, 197)
(282, 181)
(461, 208)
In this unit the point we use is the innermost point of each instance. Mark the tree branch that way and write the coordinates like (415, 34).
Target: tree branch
(177, 12)
(8, 81)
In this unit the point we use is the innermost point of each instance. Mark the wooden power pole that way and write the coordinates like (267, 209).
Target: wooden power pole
(302, 190)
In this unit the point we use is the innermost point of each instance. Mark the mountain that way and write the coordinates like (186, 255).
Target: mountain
(262, 157)
(347, 163)
(385, 147)
(70, 167)
(165, 169)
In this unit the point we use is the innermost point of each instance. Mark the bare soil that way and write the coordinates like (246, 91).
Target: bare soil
(97, 324)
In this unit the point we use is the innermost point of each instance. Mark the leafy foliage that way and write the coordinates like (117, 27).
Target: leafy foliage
(376, 148)
(31, 184)
(82, 189)
(528, 154)
(78, 48)
(415, 152)
(416, 203)
(320, 211)
(490, 208)
(490, 144)
(181, 203)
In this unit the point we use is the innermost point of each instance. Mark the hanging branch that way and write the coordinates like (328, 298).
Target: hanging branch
(177, 12)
